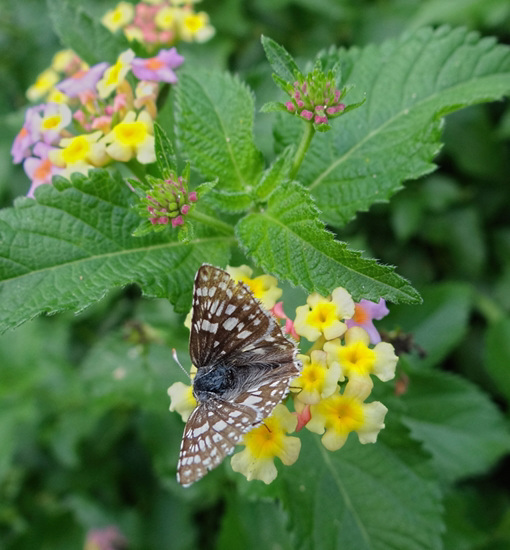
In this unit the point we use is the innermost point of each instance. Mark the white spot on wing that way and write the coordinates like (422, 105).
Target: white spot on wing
(230, 323)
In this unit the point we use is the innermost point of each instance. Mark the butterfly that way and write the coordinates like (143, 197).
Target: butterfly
(244, 363)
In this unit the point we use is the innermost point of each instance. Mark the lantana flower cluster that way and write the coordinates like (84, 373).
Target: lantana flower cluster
(331, 395)
(104, 113)
(159, 23)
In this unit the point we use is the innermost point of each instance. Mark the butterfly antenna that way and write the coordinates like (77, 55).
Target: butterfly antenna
(176, 359)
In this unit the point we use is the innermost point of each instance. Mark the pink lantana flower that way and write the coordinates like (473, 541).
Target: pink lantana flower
(158, 68)
(364, 314)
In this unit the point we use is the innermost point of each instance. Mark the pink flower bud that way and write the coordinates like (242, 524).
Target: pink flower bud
(290, 106)
(308, 115)
(192, 197)
(177, 221)
(321, 119)
(185, 209)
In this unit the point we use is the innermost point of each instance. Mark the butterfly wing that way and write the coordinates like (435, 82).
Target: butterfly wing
(230, 326)
(212, 431)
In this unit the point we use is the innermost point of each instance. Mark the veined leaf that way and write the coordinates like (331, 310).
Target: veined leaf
(362, 497)
(72, 245)
(280, 60)
(90, 39)
(410, 84)
(165, 155)
(215, 128)
(289, 240)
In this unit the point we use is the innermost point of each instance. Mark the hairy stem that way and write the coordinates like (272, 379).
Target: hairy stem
(303, 148)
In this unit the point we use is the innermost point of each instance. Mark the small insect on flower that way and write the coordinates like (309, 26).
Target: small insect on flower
(244, 368)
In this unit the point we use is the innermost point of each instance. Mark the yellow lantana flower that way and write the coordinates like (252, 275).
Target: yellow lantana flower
(182, 399)
(43, 85)
(264, 443)
(195, 27)
(322, 316)
(114, 75)
(264, 287)
(316, 380)
(80, 153)
(132, 137)
(119, 17)
(356, 359)
(340, 414)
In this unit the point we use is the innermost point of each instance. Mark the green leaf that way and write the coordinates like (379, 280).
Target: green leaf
(275, 174)
(410, 84)
(89, 38)
(253, 525)
(215, 128)
(289, 240)
(497, 353)
(280, 60)
(165, 155)
(72, 245)
(459, 425)
(441, 322)
(230, 201)
(362, 497)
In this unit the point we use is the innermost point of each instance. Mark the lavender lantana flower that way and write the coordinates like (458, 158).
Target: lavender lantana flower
(26, 138)
(364, 313)
(47, 126)
(158, 68)
(83, 81)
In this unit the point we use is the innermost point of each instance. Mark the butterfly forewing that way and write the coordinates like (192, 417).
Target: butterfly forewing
(243, 350)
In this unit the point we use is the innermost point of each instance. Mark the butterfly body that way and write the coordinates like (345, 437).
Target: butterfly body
(244, 368)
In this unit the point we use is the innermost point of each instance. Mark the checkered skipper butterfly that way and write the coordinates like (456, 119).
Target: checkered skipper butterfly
(244, 368)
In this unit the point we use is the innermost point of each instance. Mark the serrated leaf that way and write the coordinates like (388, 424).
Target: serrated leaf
(289, 240)
(89, 38)
(72, 245)
(280, 59)
(410, 83)
(165, 155)
(215, 128)
(457, 423)
(362, 497)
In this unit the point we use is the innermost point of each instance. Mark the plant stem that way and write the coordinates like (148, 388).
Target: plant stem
(303, 148)
(209, 220)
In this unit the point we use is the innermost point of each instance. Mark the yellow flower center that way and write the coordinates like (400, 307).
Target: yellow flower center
(76, 151)
(113, 73)
(357, 357)
(130, 133)
(322, 315)
(193, 22)
(343, 414)
(51, 122)
(265, 441)
(312, 376)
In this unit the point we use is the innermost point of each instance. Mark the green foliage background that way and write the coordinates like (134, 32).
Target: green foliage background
(86, 438)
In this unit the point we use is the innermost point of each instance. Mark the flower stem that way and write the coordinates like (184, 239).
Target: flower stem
(303, 148)
(194, 214)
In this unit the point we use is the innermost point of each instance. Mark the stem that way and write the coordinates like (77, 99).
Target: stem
(303, 148)
(209, 220)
